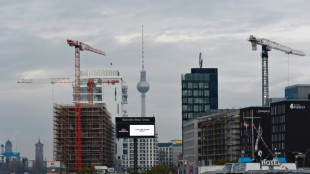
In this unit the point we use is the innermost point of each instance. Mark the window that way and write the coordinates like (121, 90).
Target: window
(190, 100)
(200, 85)
(206, 93)
(184, 93)
(195, 85)
(190, 85)
(195, 93)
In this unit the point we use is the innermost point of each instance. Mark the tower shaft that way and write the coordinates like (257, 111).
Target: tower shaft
(143, 114)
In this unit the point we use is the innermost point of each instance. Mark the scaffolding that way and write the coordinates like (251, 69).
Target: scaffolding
(219, 138)
(97, 136)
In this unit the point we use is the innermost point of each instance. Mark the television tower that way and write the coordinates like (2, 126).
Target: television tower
(143, 86)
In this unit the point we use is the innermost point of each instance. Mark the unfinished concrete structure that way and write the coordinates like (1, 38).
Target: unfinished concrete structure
(212, 138)
(97, 136)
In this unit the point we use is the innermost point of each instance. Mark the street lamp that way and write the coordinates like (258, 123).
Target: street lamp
(305, 158)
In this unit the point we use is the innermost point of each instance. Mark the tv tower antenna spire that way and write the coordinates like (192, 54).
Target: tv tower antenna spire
(142, 50)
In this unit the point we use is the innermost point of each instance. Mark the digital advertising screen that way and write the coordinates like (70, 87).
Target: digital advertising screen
(135, 127)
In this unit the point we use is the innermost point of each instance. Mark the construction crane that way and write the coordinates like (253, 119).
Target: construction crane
(267, 45)
(52, 80)
(79, 46)
(44, 81)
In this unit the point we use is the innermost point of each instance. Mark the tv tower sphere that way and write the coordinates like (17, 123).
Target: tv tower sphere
(143, 86)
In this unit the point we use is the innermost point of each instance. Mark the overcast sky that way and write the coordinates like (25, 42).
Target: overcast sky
(33, 45)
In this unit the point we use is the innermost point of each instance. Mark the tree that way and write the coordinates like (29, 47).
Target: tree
(84, 170)
(160, 169)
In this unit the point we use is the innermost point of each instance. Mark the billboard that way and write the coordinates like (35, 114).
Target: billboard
(135, 127)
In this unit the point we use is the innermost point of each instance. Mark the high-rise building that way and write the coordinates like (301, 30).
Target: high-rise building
(97, 136)
(147, 147)
(289, 129)
(113, 95)
(199, 92)
(104, 91)
(38, 163)
(297, 92)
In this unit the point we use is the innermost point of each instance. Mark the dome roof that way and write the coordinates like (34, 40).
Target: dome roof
(8, 143)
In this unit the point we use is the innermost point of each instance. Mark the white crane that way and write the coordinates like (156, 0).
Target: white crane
(266, 46)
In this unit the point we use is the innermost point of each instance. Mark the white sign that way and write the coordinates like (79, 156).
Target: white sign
(141, 130)
(297, 106)
(53, 164)
(270, 162)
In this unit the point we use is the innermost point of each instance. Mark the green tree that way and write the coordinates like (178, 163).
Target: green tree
(159, 169)
(84, 170)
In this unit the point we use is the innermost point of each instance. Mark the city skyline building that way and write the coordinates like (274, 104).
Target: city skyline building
(297, 92)
(113, 95)
(170, 153)
(38, 163)
(259, 117)
(104, 90)
(199, 92)
(97, 136)
(211, 138)
(8, 147)
(289, 122)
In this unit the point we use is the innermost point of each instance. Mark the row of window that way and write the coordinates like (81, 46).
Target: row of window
(278, 146)
(141, 145)
(195, 93)
(190, 100)
(278, 128)
(85, 90)
(85, 98)
(278, 137)
(201, 85)
(190, 115)
(279, 119)
(278, 109)
(195, 108)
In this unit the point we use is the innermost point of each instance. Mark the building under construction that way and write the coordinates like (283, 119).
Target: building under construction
(97, 136)
(212, 138)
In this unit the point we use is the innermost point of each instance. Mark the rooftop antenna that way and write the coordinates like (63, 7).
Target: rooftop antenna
(200, 60)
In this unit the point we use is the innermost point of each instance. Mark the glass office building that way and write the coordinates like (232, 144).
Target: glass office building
(297, 92)
(199, 93)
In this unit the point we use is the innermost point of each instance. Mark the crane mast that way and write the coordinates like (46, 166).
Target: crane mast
(79, 46)
(267, 45)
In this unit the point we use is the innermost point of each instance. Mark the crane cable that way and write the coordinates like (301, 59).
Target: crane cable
(266, 146)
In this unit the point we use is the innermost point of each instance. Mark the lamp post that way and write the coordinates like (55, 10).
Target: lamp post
(305, 158)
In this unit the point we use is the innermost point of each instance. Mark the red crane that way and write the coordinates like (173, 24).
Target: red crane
(79, 46)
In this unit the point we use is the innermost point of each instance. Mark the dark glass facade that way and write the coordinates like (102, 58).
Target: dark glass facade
(289, 129)
(261, 118)
(199, 92)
